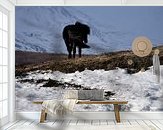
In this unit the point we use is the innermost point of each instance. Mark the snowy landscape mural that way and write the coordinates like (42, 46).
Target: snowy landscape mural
(44, 71)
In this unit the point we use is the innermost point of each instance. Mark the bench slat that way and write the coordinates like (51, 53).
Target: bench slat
(93, 102)
(102, 102)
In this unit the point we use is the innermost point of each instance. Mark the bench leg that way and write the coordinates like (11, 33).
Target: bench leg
(116, 111)
(43, 116)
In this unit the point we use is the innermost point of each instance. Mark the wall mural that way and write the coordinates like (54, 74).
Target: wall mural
(88, 48)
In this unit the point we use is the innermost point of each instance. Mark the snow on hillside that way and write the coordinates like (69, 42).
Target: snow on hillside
(140, 89)
(39, 29)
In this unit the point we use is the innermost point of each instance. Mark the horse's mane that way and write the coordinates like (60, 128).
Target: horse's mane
(85, 27)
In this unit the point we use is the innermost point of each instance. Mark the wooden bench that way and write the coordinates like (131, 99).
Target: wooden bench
(116, 104)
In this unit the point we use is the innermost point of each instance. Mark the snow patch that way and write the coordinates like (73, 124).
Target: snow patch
(140, 89)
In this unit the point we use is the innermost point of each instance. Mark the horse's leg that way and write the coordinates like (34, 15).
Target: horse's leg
(74, 50)
(80, 51)
(69, 48)
(69, 51)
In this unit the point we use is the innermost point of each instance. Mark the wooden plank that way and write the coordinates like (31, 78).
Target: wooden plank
(37, 102)
(125, 122)
(73, 122)
(133, 122)
(80, 122)
(43, 116)
(149, 123)
(28, 122)
(95, 122)
(103, 122)
(21, 122)
(110, 122)
(161, 121)
(141, 122)
(46, 115)
(92, 102)
(145, 123)
(65, 122)
(102, 102)
(58, 122)
(116, 111)
(87, 122)
(120, 123)
(32, 122)
(48, 123)
(54, 122)
(35, 122)
(9, 125)
(157, 124)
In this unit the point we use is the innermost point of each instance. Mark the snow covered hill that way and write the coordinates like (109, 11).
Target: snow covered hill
(39, 29)
(140, 89)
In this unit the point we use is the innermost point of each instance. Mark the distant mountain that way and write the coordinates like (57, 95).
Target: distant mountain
(39, 29)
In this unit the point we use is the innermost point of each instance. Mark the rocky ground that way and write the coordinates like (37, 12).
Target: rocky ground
(30, 61)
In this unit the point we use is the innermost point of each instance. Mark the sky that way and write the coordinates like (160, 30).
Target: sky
(125, 15)
(111, 25)
(142, 20)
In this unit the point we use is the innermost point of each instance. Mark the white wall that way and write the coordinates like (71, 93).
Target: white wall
(93, 2)
(39, 2)
(143, 2)
(12, 1)
(88, 2)
(8, 5)
(93, 115)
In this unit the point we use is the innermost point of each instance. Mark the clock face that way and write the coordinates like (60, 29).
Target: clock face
(141, 46)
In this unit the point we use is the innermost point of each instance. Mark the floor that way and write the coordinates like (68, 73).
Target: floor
(158, 124)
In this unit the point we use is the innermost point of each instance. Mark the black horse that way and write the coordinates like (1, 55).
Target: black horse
(76, 36)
